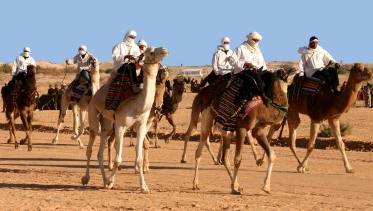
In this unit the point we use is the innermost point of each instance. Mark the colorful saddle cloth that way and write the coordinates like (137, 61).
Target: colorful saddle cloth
(119, 90)
(77, 89)
(311, 85)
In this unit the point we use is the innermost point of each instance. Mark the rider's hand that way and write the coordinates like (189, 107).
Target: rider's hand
(248, 65)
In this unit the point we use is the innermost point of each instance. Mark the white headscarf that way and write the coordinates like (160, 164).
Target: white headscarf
(82, 49)
(225, 47)
(26, 52)
(127, 40)
(253, 46)
(142, 42)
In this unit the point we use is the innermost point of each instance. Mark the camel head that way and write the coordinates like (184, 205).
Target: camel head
(360, 73)
(31, 70)
(155, 55)
(178, 88)
(162, 74)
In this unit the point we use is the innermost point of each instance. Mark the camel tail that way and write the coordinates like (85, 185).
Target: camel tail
(283, 123)
(196, 110)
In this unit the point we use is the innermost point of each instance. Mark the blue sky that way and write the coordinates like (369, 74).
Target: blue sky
(190, 30)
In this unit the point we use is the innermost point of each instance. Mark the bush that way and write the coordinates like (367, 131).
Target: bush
(6, 68)
(325, 130)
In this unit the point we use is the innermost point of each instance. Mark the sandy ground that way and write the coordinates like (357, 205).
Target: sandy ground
(49, 177)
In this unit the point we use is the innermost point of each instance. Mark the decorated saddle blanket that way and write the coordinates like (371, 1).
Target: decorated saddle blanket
(250, 106)
(119, 90)
(311, 85)
(227, 107)
(78, 90)
(213, 91)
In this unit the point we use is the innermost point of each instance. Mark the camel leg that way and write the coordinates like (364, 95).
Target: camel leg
(192, 126)
(313, 135)
(93, 130)
(208, 146)
(293, 123)
(334, 124)
(259, 161)
(156, 129)
(106, 131)
(61, 117)
(170, 120)
(240, 139)
(146, 155)
(25, 122)
(219, 158)
(82, 115)
(207, 121)
(111, 142)
(141, 133)
(12, 129)
(259, 134)
(226, 145)
(131, 140)
(76, 117)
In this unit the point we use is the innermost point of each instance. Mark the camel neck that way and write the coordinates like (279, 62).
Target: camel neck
(349, 94)
(146, 97)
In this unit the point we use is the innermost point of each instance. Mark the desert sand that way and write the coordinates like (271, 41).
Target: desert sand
(48, 178)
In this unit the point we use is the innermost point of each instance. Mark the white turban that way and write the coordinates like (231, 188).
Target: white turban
(27, 49)
(225, 39)
(83, 47)
(254, 35)
(142, 42)
(127, 40)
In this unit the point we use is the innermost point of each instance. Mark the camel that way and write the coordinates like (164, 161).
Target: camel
(134, 111)
(22, 106)
(154, 113)
(256, 121)
(326, 106)
(79, 109)
(197, 107)
(170, 105)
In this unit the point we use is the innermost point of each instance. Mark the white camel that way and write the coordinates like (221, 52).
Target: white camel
(79, 109)
(134, 111)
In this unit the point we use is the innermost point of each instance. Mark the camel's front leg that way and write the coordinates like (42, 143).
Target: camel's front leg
(313, 135)
(334, 124)
(61, 117)
(293, 123)
(12, 129)
(240, 139)
(82, 116)
(206, 125)
(76, 121)
(156, 129)
(119, 132)
(208, 146)
(141, 133)
(259, 134)
(170, 120)
(146, 155)
(111, 142)
(192, 126)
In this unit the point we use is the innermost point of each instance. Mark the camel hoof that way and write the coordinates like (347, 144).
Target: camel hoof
(9, 141)
(29, 148)
(81, 146)
(196, 186)
(216, 162)
(16, 145)
(157, 146)
(109, 184)
(145, 191)
(350, 171)
(236, 192)
(146, 171)
(267, 190)
(54, 141)
(22, 142)
(85, 180)
(167, 141)
(301, 169)
(183, 161)
(259, 162)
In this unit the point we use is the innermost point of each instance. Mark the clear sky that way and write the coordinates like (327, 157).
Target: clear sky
(190, 29)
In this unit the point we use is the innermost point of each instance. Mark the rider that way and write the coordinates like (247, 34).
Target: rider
(220, 64)
(313, 60)
(19, 70)
(248, 55)
(123, 54)
(84, 60)
(142, 46)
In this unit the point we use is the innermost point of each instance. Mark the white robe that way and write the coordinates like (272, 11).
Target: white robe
(121, 50)
(242, 54)
(220, 62)
(313, 60)
(83, 63)
(20, 64)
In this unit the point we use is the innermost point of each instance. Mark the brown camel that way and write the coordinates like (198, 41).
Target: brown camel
(169, 107)
(256, 121)
(197, 107)
(326, 106)
(23, 106)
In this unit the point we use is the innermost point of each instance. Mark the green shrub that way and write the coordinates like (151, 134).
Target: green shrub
(6, 68)
(325, 130)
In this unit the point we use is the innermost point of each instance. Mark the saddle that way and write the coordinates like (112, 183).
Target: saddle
(214, 90)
